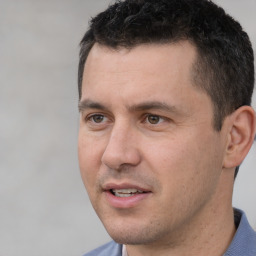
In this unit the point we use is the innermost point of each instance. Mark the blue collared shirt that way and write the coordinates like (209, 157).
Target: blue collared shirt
(243, 243)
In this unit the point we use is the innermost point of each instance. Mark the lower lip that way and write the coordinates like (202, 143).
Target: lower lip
(125, 202)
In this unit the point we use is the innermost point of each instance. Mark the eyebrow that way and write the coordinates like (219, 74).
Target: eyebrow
(156, 105)
(144, 106)
(89, 104)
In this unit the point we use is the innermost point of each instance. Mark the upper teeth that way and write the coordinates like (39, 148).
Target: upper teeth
(126, 192)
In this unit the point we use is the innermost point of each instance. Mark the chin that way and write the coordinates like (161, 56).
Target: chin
(135, 235)
(132, 239)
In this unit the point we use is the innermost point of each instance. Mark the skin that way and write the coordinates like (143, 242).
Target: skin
(144, 122)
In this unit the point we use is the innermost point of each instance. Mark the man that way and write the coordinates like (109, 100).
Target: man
(165, 90)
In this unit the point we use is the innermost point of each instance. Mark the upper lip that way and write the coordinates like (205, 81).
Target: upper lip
(112, 185)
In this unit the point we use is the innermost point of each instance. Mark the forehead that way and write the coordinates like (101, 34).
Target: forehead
(146, 57)
(171, 59)
(156, 72)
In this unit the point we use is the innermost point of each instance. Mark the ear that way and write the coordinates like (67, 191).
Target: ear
(240, 137)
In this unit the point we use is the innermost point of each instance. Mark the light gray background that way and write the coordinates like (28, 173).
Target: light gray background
(44, 209)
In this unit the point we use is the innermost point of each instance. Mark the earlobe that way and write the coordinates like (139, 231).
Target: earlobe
(241, 136)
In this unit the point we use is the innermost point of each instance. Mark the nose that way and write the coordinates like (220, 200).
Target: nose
(121, 149)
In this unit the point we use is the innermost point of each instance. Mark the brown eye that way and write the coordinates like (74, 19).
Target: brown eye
(97, 118)
(153, 119)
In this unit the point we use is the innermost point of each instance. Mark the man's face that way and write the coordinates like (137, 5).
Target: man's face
(149, 157)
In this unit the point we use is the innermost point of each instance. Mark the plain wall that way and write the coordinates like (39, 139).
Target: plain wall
(44, 209)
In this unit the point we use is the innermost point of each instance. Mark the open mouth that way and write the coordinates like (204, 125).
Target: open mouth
(127, 192)
(125, 196)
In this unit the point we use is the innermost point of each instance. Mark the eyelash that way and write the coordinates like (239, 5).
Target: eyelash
(147, 116)
(90, 118)
(104, 119)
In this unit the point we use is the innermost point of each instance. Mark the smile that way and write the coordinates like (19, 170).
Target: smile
(125, 196)
(126, 192)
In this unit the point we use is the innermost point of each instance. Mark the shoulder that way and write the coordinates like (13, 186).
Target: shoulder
(108, 249)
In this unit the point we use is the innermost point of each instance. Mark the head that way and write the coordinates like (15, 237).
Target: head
(164, 92)
(224, 67)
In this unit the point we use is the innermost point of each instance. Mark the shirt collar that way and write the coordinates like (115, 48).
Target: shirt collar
(244, 241)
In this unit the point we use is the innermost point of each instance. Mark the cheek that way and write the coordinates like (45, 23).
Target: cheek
(167, 157)
(89, 159)
(185, 163)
